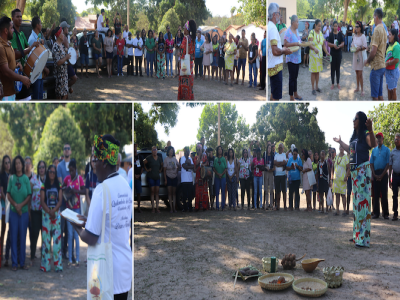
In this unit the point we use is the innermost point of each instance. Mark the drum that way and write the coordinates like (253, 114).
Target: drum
(206, 172)
(282, 34)
(72, 52)
(18, 84)
(36, 62)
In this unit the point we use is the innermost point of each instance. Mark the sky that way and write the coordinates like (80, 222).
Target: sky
(217, 7)
(334, 118)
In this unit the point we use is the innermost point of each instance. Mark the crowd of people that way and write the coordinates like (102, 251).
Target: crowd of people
(372, 45)
(34, 200)
(266, 176)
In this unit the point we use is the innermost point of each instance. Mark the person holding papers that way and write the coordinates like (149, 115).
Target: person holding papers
(106, 149)
(51, 199)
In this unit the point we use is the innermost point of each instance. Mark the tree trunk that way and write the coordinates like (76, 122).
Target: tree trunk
(21, 5)
(346, 6)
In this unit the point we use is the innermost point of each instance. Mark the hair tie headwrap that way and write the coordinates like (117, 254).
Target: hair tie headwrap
(105, 150)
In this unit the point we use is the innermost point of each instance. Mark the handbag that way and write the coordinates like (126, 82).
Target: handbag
(311, 178)
(211, 58)
(185, 63)
(329, 198)
(100, 277)
(258, 62)
(364, 55)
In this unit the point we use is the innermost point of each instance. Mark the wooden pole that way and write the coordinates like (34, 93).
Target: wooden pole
(219, 125)
(127, 13)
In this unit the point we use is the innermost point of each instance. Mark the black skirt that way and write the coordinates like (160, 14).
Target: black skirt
(323, 186)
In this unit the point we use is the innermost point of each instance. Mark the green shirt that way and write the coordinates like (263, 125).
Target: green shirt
(97, 43)
(23, 41)
(155, 166)
(280, 26)
(19, 188)
(150, 43)
(393, 52)
(220, 165)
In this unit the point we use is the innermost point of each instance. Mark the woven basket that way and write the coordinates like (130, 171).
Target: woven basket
(266, 262)
(333, 276)
(264, 281)
(319, 286)
(306, 44)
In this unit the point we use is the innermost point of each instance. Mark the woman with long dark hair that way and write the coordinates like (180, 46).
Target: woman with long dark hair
(336, 43)
(340, 179)
(177, 45)
(150, 45)
(207, 48)
(323, 180)
(201, 201)
(362, 140)
(19, 194)
(50, 200)
(269, 178)
(5, 173)
(143, 36)
(258, 168)
(315, 186)
(392, 64)
(304, 38)
(185, 90)
(220, 178)
(360, 42)
(233, 178)
(160, 48)
(214, 64)
(171, 176)
(109, 51)
(307, 167)
(244, 176)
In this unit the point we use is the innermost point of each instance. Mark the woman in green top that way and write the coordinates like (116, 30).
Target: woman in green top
(220, 180)
(149, 46)
(19, 194)
(154, 166)
(97, 50)
(392, 64)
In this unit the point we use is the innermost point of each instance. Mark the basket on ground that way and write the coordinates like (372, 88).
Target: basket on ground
(266, 262)
(333, 276)
(318, 287)
(264, 281)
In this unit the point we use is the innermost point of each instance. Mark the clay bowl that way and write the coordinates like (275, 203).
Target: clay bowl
(310, 264)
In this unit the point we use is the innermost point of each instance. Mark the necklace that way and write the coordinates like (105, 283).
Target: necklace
(319, 35)
(339, 161)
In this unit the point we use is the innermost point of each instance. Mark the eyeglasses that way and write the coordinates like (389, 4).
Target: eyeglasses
(67, 148)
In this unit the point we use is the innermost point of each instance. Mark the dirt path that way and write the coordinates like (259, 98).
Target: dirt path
(145, 88)
(193, 255)
(348, 83)
(34, 284)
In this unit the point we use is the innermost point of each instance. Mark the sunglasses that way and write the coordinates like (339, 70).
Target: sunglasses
(67, 148)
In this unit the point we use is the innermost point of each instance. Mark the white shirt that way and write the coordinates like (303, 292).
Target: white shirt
(125, 35)
(273, 34)
(99, 21)
(130, 177)
(280, 158)
(122, 172)
(186, 176)
(328, 30)
(129, 42)
(121, 217)
(135, 43)
(396, 24)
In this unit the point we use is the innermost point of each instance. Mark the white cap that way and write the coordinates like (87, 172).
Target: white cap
(292, 147)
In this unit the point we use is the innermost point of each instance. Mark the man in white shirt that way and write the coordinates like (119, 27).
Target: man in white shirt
(100, 22)
(275, 52)
(129, 46)
(126, 32)
(105, 157)
(280, 161)
(187, 167)
(138, 45)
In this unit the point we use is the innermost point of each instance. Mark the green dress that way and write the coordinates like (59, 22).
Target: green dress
(230, 55)
(316, 65)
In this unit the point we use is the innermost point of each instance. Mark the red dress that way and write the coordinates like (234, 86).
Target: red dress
(185, 90)
(201, 186)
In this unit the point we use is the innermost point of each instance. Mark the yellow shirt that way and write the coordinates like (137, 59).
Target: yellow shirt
(379, 39)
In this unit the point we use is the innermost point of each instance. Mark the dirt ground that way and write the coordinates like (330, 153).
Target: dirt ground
(34, 284)
(348, 83)
(145, 88)
(193, 255)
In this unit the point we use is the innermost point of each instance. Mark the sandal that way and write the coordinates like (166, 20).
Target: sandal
(314, 93)
(318, 90)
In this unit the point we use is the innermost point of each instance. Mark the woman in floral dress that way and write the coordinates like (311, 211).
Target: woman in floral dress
(160, 49)
(60, 56)
(362, 140)
(230, 48)
(200, 159)
(185, 90)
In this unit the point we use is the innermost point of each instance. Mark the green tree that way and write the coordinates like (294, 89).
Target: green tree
(234, 130)
(142, 23)
(386, 119)
(68, 11)
(164, 113)
(292, 124)
(233, 9)
(101, 118)
(254, 11)
(171, 19)
(61, 128)
(7, 142)
(144, 132)
(303, 9)
(51, 11)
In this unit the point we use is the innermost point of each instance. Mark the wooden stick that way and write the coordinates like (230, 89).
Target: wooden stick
(237, 272)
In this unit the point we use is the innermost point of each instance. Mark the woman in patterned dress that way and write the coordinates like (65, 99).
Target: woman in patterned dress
(316, 66)
(340, 179)
(160, 49)
(362, 140)
(185, 90)
(200, 159)
(60, 56)
(229, 48)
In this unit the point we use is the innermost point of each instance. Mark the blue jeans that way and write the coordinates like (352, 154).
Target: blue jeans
(18, 226)
(73, 234)
(120, 64)
(150, 62)
(37, 90)
(220, 183)
(252, 71)
(169, 61)
(376, 81)
(349, 40)
(258, 190)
